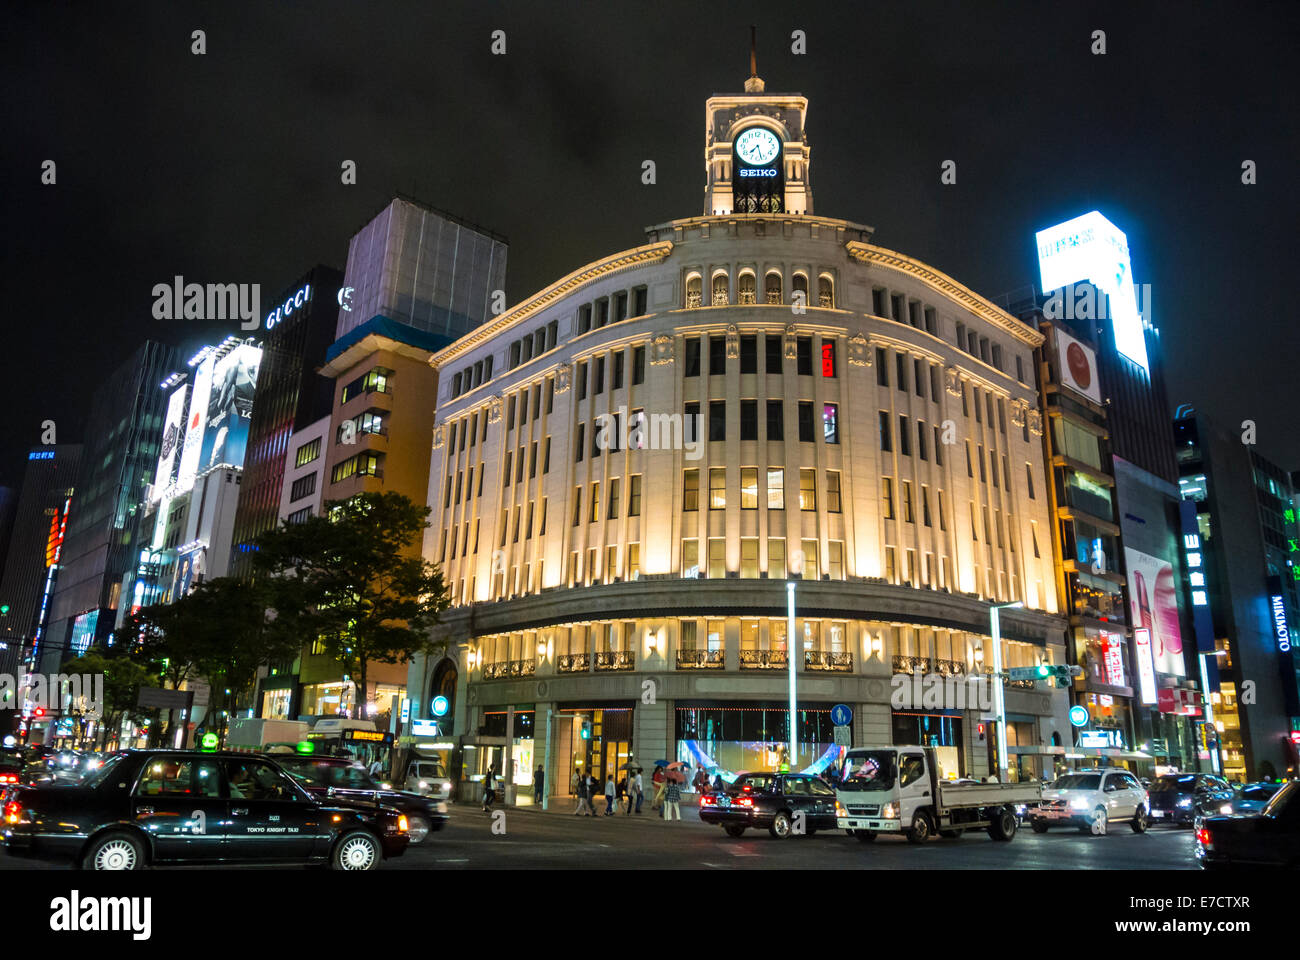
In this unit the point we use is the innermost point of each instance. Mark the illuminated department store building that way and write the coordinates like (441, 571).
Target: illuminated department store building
(850, 418)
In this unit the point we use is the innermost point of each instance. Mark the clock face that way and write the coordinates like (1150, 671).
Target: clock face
(757, 146)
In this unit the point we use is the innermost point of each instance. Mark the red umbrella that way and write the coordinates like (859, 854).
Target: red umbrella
(677, 771)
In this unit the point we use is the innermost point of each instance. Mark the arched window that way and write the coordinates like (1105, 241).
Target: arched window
(800, 287)
(721, 290)
(825, 291)
(746, 287)
(772, 287)
(694, 291)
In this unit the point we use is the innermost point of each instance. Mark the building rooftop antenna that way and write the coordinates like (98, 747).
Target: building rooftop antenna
(754, 84)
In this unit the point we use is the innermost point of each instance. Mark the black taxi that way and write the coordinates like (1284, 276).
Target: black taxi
(783, 803)
(145, 807)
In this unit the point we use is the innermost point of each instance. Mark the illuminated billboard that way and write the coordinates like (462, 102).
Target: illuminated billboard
(83, 631)
(1078, 366)
(192, 445)
(230, 407)
(1154, 598)
(1091, 248)
(173, 434)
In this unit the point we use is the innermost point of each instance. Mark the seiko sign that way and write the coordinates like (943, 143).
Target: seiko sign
(289, 306)
(757, 172)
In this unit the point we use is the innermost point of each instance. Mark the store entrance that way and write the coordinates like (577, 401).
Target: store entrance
(607, 749)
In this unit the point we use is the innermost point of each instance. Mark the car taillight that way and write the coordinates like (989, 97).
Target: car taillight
(706, 801)
(13, 811)
(1203, 837)
(8, 778)
(745, 802)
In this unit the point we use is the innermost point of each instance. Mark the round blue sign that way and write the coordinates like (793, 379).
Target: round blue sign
(1079, 716)
(440, 706)
(841, 715)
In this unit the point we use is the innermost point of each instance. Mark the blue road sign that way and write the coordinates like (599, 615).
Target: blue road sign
(1079, 716)
(841, 715)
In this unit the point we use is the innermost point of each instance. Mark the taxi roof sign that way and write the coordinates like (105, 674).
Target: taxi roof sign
(305, 746)
(210, 741)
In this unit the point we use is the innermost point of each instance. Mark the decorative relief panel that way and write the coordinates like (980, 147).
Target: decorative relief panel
(791, 343)
(859, 351)
(733, 342)
(439, 437)
(661, 350)
(1035, 423)
(953, 385)
(562, 380)
(494, 409)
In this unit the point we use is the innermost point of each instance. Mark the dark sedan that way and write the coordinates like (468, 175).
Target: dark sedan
(345, 779)
(781, 803)
(1271, 839)
(1180, 798)
(144, 807)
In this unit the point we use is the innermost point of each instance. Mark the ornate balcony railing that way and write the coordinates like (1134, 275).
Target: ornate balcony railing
(911, 665)
(945, 668)
(1022, 684)
(615, 660)
(509, 668)
(951, 668)
(701, 660)
(762, 660)
(573, 663)
(825, 660)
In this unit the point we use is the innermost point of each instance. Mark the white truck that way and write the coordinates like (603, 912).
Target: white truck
(255, 733)
(914, 791)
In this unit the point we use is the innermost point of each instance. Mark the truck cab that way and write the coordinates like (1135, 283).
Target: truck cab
(914, 791)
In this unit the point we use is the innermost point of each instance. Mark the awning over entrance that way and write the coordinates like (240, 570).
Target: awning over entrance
(1035, 750)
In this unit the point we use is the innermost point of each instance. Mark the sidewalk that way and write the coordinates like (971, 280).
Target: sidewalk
(561, 804)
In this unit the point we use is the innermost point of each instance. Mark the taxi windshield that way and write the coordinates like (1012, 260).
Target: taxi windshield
(870, 770)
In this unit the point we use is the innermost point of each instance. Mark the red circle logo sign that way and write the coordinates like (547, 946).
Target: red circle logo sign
(1079, 368)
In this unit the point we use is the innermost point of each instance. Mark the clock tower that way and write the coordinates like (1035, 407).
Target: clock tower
(756, 151)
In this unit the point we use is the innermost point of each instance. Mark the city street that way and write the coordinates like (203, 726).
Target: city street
(535, 840)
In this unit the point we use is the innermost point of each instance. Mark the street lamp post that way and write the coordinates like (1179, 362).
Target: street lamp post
(1209, 710)
(999, 702)
(789, 656)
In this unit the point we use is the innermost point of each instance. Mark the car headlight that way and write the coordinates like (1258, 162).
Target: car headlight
(1226, 809)
(839, 810)
(1079, 804)
(423, 784)
(1185, 802)
(446, 788)
(889, 811)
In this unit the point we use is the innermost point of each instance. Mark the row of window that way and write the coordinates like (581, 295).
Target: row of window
(773, 491)
(476, 374)
(591, 373)
(375, 380)
(594, 315)
(773, 355)
(533, 345)
(747, 289)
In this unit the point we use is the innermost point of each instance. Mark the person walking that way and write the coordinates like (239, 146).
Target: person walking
(609, 795)
(539, 784)
(576, 785)
(589, 786)
(658, 779)
(700, 783)
(489, 788)
(672, 801)
(639, 787)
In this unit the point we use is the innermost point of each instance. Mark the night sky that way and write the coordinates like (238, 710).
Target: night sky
(225, 168)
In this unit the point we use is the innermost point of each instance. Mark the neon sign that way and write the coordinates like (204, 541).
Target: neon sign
(1279, 623)
(1146, 666)
(292, 303)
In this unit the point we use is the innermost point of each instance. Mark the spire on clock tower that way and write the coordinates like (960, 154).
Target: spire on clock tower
(756, 150)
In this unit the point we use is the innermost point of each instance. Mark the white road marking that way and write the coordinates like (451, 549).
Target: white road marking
(466, 860)
(716, 866)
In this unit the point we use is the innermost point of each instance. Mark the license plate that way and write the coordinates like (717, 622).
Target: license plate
(723, 802)
(1053, 814)
(1157, 814)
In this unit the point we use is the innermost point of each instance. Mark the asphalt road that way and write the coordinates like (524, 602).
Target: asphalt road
(537, 841)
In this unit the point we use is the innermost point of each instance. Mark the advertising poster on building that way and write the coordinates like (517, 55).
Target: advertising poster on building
(173, 434)
(189, 571)
(1154, 597)
(192, 446)
(1078, 366)
(230, 407)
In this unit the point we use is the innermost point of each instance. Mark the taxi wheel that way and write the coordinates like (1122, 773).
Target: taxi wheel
(115, 851)
(733, 831)
(1139, 821)
(1038, 826)
(780, 827)
(356, 851)
(418, 829)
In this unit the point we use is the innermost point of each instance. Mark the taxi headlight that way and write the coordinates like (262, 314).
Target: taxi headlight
(403, 825)
(1185, 802)
(1226, 809)
(889, 811)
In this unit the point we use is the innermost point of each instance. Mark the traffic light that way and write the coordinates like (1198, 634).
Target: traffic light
(981, 732)
(1058, 674)
(4, 609)
(586, 729)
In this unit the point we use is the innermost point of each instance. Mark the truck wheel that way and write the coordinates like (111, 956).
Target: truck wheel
(734, 831)
(921, 828)
(780, 827)
(865, 836)
(1038, 826)
(1003, 826)
(1139, 821)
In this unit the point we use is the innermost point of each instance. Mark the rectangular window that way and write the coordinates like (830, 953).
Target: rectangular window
(546, 457)
(308, 452)
(1029, 480)
(803, 356)
(749, 558)
(776, 559)
(634, 561)
(579, 448)
(620, 359)
(775, 488)
(690, 489)
(925, 505)
(807, 489)
(887, 498)
(830, 423)
(886, 442)
(717, 558)
(811, 559)
(532, 460)
(717, 488)
(993, 468)
(882, 370)
(690, 558)
(362, 465)
(974, 523)
(832, 491)
(749, 488)
(904, 436)
(598, 376)
(891, 565)
(749, 354)
(900, 371)
(634, 495)
(772, 352)
(577, 506)
(580, 376)
(595, 501)
(938, 447)
(717, 354)
(806, 434)
(934, 382)
(907, 502)
(691, 423)
(748, 419)
(614, 485)
(835, 564)
(918, 377)
(638, 366)
(970, 468)
(305, 486)
(717, 420)
(911, 567)
(983, 471)
(775, 420)
(692, 366)
(922, 439)
(878, 301)
(828, 358)
(541, 523)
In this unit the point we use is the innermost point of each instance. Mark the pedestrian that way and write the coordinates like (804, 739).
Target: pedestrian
(609, 795)
(489, 788)
(658, 779)
(640, 790)
(622, 790)
(590, 788)
(575, 785)
(539, 784)
(718, 785)
(672, 801)
(701, 781)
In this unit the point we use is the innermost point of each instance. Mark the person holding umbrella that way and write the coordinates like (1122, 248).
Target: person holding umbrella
(673, 797)
(660, 781)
